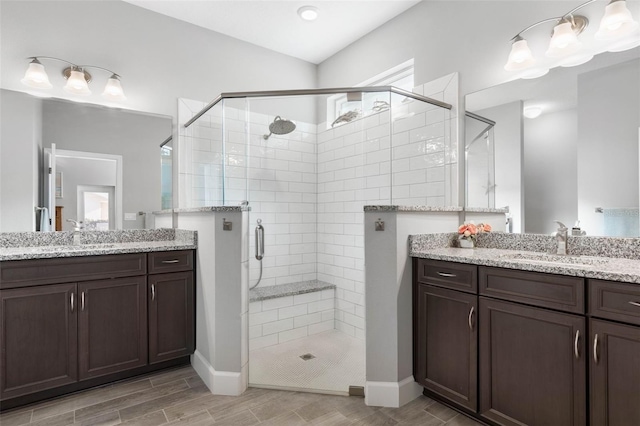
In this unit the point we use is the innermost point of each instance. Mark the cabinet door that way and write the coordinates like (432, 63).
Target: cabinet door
(615, 374)
(446, 344)
(171, 316)
(532, 365)
(112, 326)
(39, 339)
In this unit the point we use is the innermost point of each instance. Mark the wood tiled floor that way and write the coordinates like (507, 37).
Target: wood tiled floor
(179, 397)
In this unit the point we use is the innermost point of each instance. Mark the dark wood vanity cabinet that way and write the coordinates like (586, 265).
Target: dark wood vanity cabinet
(39, 339)
(615, 374)
(445, 332)
(532, 365)
(511, 361)
(77, 322)
(615, 353)
(171, 316)
(112, 326)
(532, 358)
(171, 302)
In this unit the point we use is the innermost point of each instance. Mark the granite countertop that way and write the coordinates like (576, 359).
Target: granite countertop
(604, 268)
(38, 245)
(394, 208)
(615, 259)
(204, 209)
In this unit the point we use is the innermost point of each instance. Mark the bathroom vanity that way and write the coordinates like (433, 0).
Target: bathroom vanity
(78, 316)
(518, 338)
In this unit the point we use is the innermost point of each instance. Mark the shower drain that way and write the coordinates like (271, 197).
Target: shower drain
(307, 357)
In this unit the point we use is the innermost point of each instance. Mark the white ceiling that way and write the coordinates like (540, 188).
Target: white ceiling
(276, 25)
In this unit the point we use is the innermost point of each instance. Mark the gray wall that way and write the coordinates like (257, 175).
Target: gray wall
(551, 171)
(20, 143)
(135, 136)
(608, 125)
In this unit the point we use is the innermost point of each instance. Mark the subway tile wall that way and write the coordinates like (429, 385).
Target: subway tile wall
(282, 319)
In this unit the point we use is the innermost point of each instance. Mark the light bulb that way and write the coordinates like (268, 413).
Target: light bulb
(617, 22)
(564, 41)
(113, 90)
(520, 56)
(308, 13)
(36, 76)
(77, 84)
(532, 112)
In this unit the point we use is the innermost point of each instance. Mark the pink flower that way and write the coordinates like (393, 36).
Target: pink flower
(468, 229)
(484, 227)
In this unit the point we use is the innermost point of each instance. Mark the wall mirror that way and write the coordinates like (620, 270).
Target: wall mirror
(86, 140)
(575, 159)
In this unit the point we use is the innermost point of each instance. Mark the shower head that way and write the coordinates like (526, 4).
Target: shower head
(280, 126)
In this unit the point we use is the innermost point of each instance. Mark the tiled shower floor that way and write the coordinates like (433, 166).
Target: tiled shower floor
(338, 364)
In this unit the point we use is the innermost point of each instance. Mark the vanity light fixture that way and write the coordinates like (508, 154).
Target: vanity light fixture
(78, 79)
(617, 27)
(308, 13)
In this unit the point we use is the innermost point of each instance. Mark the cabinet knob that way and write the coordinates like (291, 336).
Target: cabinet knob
(576, 350)
(595, 349)
(153, 292)
(471, 311)
(171, 261)
(72, 301)
(82, 301)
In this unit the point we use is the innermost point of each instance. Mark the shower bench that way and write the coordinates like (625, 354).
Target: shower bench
(285, 312)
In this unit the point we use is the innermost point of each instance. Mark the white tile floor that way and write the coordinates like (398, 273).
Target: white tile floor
(338, 364)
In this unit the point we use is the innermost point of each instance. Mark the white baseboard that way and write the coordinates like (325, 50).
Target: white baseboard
(203, 368)
(391, 394)
(218, 382)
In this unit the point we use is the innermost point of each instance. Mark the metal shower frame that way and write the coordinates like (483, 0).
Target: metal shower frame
(310, 92)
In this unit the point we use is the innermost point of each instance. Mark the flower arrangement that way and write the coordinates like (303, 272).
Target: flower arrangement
(468, 232)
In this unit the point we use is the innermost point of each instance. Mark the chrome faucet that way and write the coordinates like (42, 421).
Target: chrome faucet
(561, 238)
(77, 227)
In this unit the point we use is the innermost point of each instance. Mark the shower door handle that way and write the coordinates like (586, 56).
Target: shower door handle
(259, 241)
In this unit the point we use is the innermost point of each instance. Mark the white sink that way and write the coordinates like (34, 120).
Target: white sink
(554, 259)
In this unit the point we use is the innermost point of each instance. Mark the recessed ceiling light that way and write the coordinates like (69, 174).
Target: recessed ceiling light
(308, 13)
(532, 112)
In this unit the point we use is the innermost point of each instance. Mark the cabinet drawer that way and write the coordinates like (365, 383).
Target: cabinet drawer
(533, 288)
(615, 301)
(22, 273)
(457, 276)
(170, 261)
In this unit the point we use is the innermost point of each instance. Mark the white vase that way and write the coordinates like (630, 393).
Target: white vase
(467, 243)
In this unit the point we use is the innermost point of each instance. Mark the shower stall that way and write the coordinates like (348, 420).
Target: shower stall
(306, 162)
